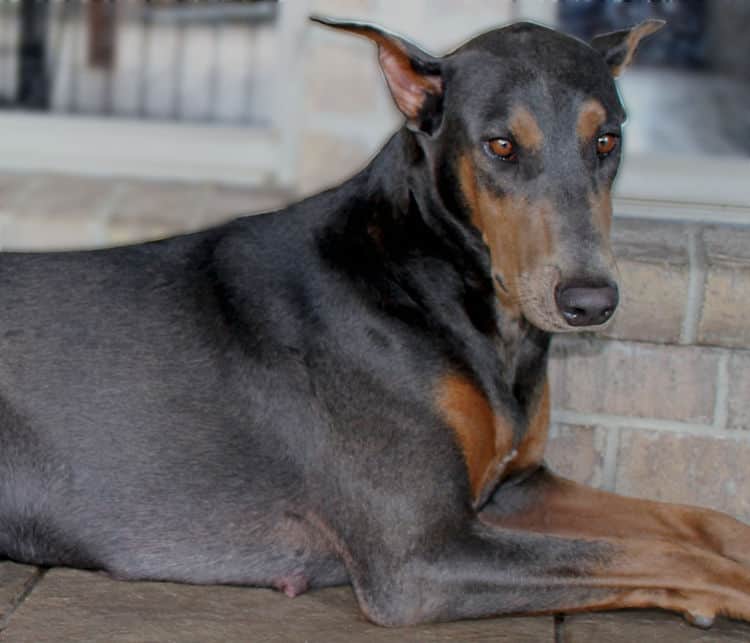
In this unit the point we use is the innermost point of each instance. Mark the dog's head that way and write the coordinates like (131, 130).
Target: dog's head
(524, 124)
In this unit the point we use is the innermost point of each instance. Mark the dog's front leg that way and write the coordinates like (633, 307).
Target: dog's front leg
(548, 503)
(407, 573)
(482, 574)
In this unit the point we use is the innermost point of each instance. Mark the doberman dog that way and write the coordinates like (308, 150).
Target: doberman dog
(354, 390)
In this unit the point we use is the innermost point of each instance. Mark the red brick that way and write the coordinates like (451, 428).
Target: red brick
(653, 263)
(739, 391)
(632, 379)
(577, 452)
(701, 470)
(726, 301)
(60, 196)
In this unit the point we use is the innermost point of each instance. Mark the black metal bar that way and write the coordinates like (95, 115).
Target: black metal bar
(33, 85)
(143, 80)
(214, 80)
(7, 57)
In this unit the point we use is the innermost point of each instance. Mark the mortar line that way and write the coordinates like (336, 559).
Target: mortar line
(28, 587)
(721, 403)
(609, 465)
(649, 424)
(696, 283)
(559, 628)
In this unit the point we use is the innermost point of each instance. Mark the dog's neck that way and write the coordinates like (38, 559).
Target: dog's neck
(408, 221)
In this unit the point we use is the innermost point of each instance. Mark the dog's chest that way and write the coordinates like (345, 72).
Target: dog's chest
(496, 438)
(484, 436)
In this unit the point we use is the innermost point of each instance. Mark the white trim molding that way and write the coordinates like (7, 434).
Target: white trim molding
(695, 188)
(41, 142)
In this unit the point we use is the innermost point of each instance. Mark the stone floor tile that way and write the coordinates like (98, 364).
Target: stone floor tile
(70, 605)
(14, 581)
(647, 627)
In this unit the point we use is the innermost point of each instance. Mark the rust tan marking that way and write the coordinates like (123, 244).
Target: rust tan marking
(521, 236)
(485, 438)
(591, 117)
(525, 129)
(567, 508)
(601, 211)
(534, 441)
(680, 558)
(408, 87)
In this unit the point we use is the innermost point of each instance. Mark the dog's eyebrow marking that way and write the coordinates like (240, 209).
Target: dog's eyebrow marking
(525, 129)
(591, 116)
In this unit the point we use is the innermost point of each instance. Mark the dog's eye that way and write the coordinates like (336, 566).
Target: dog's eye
(502, 148)
(606, 144)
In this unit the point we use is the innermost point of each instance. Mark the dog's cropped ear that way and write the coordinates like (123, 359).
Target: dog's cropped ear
(414, 77)
(619, 47)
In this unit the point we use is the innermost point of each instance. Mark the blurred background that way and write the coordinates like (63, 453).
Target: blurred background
(251, 106)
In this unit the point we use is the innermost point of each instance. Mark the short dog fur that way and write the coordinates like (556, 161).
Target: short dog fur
(353, 390)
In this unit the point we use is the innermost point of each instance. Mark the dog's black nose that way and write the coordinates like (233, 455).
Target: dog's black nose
(585, 305)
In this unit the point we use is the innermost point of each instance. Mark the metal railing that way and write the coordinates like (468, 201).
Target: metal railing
(155, 60)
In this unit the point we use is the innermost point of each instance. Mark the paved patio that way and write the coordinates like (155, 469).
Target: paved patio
(40, 606)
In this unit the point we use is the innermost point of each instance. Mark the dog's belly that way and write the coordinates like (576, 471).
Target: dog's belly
(278, 551)
(164, 541)
(161, 501)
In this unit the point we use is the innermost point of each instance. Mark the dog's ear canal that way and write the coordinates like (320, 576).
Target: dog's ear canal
(619, 47)
(414, 77)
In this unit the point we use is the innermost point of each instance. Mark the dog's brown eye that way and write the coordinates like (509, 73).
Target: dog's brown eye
(606, 143)
(503, 148)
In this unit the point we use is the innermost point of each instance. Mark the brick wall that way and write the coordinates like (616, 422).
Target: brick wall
(659, 407)
(55, 211)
